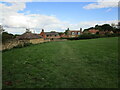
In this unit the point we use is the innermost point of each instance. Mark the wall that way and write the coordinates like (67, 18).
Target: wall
(50, 37)
(35, 41)
(13, 43)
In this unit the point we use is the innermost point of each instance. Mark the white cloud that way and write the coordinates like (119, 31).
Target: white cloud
(102, 4)
(108, 10)
(12, 19)
(87, 24)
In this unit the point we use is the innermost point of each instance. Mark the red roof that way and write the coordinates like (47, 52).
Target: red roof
(74, 31)
(93, 31)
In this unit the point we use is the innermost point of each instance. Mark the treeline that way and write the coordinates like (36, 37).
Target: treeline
(105, 27)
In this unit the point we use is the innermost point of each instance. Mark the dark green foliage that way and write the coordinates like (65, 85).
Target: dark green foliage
(60, 33)
(69, 64)
(66, 31)
(16, 35)
(107, 27)
(104, 27)
(7, 36)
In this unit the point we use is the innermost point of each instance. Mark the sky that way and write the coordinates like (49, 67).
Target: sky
(16, 16)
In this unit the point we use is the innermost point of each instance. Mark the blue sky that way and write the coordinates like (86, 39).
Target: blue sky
(56, 15)
(72, 11)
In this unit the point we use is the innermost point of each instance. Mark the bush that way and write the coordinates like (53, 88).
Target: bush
(7, 37)
(84, 36)
(91, 36)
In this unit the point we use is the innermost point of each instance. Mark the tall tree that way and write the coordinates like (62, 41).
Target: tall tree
(66, 31)
(1, 29)
(107, 27)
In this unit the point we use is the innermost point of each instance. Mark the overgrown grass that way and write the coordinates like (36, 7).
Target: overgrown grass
(67, 64)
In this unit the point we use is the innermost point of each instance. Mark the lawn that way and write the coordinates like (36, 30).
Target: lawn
(67, 64)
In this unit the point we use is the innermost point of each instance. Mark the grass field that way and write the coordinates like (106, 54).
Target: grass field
(67, 64)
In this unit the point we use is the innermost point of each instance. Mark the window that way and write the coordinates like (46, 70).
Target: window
(73, 33)
(78, 33)
(55, 35)
(47, 35)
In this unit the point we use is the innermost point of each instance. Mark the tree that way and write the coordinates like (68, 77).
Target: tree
(118, 25)
(60, 33)
(27, 30)
(107, 27)
(7, 36)
(66, 31)
(1, 29)
(99, 27)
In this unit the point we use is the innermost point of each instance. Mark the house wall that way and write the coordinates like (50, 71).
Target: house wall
(43, 34)
(74, 33)
(53, 36)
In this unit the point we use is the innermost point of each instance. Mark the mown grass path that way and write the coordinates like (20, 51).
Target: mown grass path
(70, 64)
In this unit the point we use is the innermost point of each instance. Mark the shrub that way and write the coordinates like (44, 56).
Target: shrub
(91, 36)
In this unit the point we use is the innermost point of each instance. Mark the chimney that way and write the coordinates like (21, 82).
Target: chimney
(42, 30)
(80, 29)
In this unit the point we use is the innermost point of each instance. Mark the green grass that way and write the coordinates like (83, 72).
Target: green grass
(68, 64)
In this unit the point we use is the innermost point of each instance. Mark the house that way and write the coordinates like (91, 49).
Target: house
(91, 31)
(95, 31)
(74, 33)
(49, 35)
(105, 32)
(63, 35)
(29, 37)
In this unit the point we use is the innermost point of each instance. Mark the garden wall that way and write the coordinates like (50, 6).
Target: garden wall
(14, 43)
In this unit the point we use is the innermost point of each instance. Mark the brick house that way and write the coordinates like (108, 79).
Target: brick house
(92, 31)
(74, 33)
(49, 35)
(95, 31)
(28, 36)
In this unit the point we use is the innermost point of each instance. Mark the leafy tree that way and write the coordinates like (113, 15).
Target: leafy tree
(61, 33)
(66, 31)
(7, 36)
(99, 27)
(107, 27)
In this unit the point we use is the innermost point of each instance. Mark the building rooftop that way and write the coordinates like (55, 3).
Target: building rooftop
(51, 33)
(28, 35)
